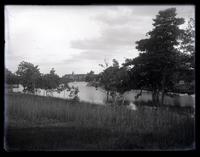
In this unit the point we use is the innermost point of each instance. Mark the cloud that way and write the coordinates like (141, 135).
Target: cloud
(125, 15)
(114, 19)
(117, 37)
(121, 27)
(111, 38)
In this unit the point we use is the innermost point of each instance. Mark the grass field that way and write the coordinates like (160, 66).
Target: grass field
(46, 123)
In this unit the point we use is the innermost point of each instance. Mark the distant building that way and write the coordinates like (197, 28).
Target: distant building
(75, 77)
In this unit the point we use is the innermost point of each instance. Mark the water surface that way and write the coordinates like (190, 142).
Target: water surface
(98, 95)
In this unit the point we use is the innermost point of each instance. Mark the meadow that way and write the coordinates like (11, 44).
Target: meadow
(46, 123)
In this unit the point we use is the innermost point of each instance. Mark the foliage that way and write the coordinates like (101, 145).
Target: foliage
(28, 74)
(64, 80)
(159, 61)
(11, 78)
(114, 80)
(50, 81)
(187, 46)
(31, 78)
(74, 94)
(187, 40)
(90, 76)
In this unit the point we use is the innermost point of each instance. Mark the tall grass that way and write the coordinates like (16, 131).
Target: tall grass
(160, 126)
(47, 110)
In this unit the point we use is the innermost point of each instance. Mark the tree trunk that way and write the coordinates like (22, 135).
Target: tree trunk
(107, 94)
(34, 87)
(114, 98)
(162, 98)
(163, 89)
(155, 97)
(152, 96)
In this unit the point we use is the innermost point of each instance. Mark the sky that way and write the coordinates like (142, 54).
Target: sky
(77, 38)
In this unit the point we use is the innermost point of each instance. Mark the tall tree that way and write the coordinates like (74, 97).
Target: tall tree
(159, 60)
(28, 74)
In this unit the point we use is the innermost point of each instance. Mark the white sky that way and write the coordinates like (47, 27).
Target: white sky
(77, 38)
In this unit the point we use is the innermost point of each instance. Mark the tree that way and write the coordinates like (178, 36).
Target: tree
(114, 79)
(106, 78)
(11, 78)
(51, 81)
(187, 39)
(115, 63)
(155, 67)
(65, 81)
(28, 75)
(187, 46)
(90, 76)
(187, 59)
(137, 74)
(120, 84)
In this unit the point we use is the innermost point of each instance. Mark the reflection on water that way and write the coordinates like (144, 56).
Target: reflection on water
(98, 96)
(89, 93)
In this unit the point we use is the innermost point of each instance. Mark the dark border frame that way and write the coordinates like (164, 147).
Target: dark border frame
(101, 2)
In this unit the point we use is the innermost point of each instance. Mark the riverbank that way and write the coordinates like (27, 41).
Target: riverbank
(46, 123)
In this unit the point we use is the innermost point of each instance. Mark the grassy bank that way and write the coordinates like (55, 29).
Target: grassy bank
(46, 123)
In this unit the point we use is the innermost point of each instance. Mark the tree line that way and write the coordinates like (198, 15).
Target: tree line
(30, 77)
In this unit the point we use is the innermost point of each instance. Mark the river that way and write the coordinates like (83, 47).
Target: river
(98, 95)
